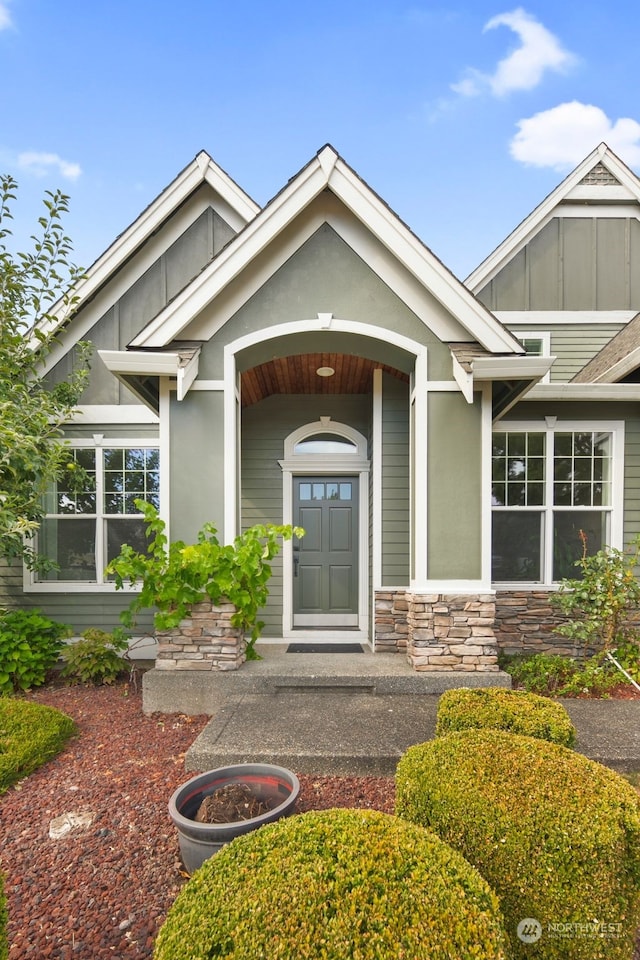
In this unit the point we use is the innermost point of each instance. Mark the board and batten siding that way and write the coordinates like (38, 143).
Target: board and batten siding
(264, 428)
(573, 263)
(142, 301)
(395, 483)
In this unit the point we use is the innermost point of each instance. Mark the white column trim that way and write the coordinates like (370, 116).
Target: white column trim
(420, 471)
(230, 445)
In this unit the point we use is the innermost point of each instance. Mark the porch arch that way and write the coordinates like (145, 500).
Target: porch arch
(418, 407)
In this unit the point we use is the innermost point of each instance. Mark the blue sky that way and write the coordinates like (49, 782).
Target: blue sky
(462, 115)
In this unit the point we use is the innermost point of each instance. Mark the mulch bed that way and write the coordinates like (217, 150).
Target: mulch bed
(104, 892)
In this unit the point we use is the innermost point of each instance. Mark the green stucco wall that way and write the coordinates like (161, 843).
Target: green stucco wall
(454, 493)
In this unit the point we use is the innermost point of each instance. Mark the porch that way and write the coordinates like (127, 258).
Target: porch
(280, 673)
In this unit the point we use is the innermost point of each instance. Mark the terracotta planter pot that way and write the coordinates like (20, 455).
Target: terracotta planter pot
(199, 841)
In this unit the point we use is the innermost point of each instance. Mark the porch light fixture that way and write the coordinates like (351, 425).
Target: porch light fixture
(325, 371)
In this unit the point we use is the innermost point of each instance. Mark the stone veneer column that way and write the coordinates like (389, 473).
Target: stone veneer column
(391, 627)
(204, 641)
(448, 633)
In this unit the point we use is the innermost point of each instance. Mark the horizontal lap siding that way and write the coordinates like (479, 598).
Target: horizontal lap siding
(395, 483)
(575, 345)
(80, 610)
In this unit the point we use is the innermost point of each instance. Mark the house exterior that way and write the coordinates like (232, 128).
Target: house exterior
(312, 362)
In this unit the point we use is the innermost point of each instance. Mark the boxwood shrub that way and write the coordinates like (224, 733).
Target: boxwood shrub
(499, 709)
(556, 835)
(30, 734)
(334, 884)
(4, 942)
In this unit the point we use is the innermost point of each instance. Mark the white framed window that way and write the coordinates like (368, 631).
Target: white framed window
(551, 484)
(537, 344)
(90, 511)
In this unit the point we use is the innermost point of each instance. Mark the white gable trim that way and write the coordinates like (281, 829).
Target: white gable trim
(327, 170)
(237, 209)
(544, 211)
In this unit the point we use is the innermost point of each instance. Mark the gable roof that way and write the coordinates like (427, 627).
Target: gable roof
(617, 359)
(327, 170)
(238, 205)
(601, 176)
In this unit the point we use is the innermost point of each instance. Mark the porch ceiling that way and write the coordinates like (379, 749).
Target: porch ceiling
(297, 374)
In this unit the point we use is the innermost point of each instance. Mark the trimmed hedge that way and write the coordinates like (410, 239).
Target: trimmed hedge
(4, 942)
(30, 734)
(556, 835)
(513, 710)
(335, 884)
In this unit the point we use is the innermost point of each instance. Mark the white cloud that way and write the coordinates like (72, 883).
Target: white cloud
(563, 136)
(39, 164)
(5, 17)
(524, 67)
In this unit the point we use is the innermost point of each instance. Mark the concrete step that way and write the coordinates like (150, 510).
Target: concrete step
(194, 692)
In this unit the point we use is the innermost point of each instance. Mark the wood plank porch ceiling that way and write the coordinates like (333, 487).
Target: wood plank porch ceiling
(297, 374)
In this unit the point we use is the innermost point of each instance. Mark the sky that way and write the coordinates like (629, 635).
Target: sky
(462, 115)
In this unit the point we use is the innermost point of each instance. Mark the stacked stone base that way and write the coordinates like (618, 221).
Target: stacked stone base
(451, 633)
(391, 627)
(204, 641)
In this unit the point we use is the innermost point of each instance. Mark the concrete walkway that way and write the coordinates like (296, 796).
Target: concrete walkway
(348, 714)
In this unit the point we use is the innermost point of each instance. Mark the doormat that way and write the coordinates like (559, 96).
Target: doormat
(325, 648)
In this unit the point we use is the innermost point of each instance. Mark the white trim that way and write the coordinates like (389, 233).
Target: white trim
(485, 482)
(451, 587)
(129, 413)
(326, 170)
(588, 211)
(550, 318)
(545, 337)
(97, 442)
(597, 392)
(236, 207)
(376, 488)
(230, 447)
(419, 494)
(615, 510)
(523, 233)
(165, 456)
(208, 385)
(346, 464)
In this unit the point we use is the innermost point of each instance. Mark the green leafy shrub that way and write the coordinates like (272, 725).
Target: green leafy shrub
(174, 576)
(30, 734)
(4, 943)
(556, 835)
(513, 710)
(557, 676)
(29, 647)
(96, 658)
(602, 601)
(334, 884)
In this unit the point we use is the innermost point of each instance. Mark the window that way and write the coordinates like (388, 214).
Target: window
(547, 486)
(537, 345)
(90, 511)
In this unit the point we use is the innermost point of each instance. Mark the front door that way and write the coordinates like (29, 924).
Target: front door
(325, 560)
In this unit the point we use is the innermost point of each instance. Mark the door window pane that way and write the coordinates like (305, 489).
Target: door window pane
(345, 491)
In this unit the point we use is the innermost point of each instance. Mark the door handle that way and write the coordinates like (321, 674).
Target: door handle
(296, 561)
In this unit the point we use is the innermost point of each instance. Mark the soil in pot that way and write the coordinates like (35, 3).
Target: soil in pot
(233, 802)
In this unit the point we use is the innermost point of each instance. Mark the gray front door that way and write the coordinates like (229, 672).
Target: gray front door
(325, 560)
